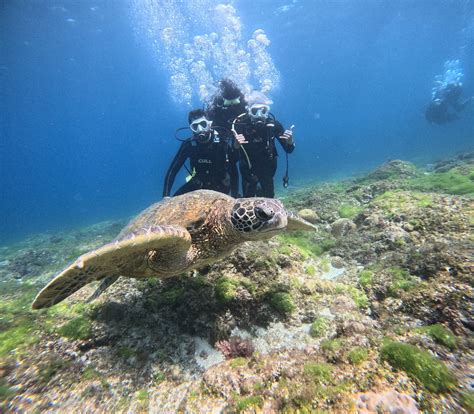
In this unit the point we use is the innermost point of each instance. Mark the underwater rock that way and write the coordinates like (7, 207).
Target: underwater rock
(112, 312)
(394, 169)
(29, 263)
(342, 304)
(450, 163)
(351, 327)
(166, 398)
(337, 262)
(309, 215)
(389, 401)
(342, 227)
(227, 379)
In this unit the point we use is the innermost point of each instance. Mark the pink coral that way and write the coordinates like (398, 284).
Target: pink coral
(236, 346)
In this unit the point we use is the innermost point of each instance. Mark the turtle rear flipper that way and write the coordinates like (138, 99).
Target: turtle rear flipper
(134, 256)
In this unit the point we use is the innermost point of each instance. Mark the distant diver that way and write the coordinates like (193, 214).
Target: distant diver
(213, 162)
(446, 105)
(446, 102)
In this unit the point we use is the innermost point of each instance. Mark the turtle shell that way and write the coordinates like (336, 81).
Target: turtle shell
(187, 210)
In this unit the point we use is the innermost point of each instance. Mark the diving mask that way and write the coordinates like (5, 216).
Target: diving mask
(230, 102)
(259, 111)
(200, 125)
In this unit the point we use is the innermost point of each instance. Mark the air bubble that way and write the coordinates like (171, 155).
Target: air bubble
(198, 43)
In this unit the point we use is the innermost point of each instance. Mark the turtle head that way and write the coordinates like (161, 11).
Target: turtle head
(262, 218)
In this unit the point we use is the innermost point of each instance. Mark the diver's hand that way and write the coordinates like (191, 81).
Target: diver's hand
(288, 136)
(240, 138)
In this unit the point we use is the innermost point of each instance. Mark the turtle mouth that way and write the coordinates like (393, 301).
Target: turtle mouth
(277, 223)
(296, 223)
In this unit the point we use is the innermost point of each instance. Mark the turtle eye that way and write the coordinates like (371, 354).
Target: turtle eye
(264, 214)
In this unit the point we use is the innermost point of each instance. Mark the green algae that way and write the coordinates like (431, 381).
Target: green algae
(18, 325)
(319, 327)
(5, 391)
(325, 264)
(78, 328)
(302, 398)
(359, 297)
(324, 245)
(238, 362)
(158, 377)
(467, 400)
(143, 398)
(419, 365)
(307, 244)
(331, 345)
(244, 403)
(18, 338)
(319, 385)
(402, 280)
(348, 211)
(320, 373)
(366, 278)
(172, 296)
(126, 352)
(90, 374)
(298, 240)
(310, 270)
(69, 321)
(440, 334)
(226, 290)
(357, 355)
(16, 302)
(399, 201)
(281, 302)
(459, 181)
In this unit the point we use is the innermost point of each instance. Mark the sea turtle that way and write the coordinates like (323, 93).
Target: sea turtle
(173, 236)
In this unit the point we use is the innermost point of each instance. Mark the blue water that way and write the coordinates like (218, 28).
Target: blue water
(87, 117)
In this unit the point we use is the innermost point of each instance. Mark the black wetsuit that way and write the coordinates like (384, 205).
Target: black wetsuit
(446, 105)
(260, 166)
(223, 116)
(214, 164)
(437, 112)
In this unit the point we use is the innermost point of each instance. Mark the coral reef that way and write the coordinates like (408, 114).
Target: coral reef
(372, 313)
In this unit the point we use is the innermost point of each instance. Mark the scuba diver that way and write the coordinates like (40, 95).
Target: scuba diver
(255, 132)
(212, 159)
(446, 104)
(227, 104)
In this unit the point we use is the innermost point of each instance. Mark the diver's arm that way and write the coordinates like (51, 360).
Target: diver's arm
(180, 158)
(285, 137)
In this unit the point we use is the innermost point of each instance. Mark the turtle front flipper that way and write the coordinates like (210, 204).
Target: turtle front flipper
(144, 253)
